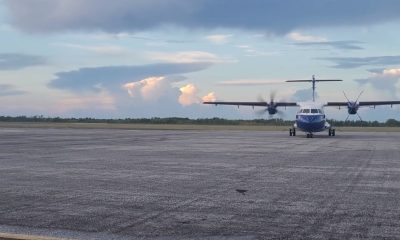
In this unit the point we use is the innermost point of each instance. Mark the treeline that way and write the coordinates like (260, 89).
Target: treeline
(200, 121)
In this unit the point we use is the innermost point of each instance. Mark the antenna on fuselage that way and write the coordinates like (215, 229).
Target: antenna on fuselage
(313, 81)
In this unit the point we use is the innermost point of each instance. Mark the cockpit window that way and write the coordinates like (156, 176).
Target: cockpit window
(306, 110)
(314, 110)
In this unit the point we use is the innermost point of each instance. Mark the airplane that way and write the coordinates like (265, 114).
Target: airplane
(311, 117)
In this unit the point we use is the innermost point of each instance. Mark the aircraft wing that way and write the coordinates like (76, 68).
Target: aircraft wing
(261, 104)
(365, 103)
(376, 103)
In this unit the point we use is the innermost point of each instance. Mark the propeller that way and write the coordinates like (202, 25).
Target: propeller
(271, 108)
(352, 106)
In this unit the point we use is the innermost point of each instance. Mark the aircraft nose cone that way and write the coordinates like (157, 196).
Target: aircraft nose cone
(308, 119)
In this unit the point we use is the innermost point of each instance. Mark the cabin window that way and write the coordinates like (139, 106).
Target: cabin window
(314, 110)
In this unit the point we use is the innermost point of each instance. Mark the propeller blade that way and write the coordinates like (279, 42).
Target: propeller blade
(270, 116)
(359, 95)
(272, 96)
(260, 98)
(346, 97)
(261, 112)
(281, 114)
(359, 117)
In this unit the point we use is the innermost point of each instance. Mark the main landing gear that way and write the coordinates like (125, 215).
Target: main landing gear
(331, 132)
(292, 132)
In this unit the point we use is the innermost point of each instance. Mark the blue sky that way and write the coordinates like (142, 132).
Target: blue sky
(160, 58)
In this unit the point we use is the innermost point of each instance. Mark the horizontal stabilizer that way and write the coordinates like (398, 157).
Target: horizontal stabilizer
(316, 80)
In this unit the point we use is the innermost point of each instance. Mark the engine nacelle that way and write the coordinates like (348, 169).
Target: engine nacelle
(272, 110)
(352, 108)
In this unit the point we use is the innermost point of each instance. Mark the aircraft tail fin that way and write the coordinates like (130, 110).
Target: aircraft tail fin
(313, 81)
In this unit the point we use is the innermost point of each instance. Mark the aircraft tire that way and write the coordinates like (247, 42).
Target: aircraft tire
(333, 132)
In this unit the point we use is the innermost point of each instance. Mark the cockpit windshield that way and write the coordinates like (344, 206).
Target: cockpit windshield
(313, 110)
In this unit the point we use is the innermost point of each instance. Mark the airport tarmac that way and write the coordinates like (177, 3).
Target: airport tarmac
(168, 184)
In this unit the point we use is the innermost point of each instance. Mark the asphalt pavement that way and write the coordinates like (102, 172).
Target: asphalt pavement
(152, 184)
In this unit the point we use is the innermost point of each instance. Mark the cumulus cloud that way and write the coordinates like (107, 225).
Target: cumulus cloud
(210, 97)
(392, 72)
(15, 61)
(188, 95)
(10, 90)
(354, 62)
(150, 88)
(385, 80)
(303, 95)
(277, 16)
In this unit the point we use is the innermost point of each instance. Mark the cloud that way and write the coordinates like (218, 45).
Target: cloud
(219, 38)
(276, 16)
(133, 91)
(252, 52)
(354, 62)
(112, 77)
(9, 90)
(188, 95)
(303, 95)
(343, 45)
(316, 41)
(386, 80)
(299, 37)
(210, 97)
(186, 57)
(151, 88)
(15, 61)
(98, 49)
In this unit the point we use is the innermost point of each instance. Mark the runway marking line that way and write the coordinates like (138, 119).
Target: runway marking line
(11, 236)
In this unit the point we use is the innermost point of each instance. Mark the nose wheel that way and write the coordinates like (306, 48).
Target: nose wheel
(292, 132)
(309, 135)
(332, 132)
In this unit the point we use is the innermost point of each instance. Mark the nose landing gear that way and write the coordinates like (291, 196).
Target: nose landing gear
(309, 135)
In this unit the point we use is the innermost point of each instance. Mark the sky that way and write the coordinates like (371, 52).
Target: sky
(162, 58)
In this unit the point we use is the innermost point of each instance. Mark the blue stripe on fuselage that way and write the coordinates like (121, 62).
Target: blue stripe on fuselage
(311, 123)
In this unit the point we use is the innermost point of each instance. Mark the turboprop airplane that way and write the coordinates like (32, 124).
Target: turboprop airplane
(311, 117)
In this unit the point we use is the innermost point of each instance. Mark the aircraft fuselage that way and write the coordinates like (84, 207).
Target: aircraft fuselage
(311, 118)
